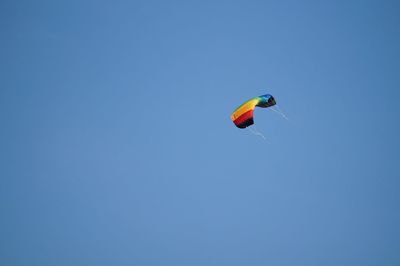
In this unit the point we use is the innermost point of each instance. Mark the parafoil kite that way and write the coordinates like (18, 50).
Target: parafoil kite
(243, 115)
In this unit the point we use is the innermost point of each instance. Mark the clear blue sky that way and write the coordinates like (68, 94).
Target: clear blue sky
(116, 145)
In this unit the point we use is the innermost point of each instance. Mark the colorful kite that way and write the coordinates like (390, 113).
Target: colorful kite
(243, 115)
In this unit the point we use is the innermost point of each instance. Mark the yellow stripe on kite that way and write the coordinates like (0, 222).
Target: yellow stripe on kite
(249, 105)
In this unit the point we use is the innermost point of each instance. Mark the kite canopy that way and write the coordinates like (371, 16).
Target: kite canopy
(243, 115)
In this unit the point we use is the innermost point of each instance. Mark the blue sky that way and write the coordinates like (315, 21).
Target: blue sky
(117, 146)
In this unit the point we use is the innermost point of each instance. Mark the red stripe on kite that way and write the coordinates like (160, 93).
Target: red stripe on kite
(244, 117)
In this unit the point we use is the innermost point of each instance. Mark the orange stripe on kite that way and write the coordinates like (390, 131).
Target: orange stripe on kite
(244, 117)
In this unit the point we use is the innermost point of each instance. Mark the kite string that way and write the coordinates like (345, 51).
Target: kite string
(279, 111)
(256, 132)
